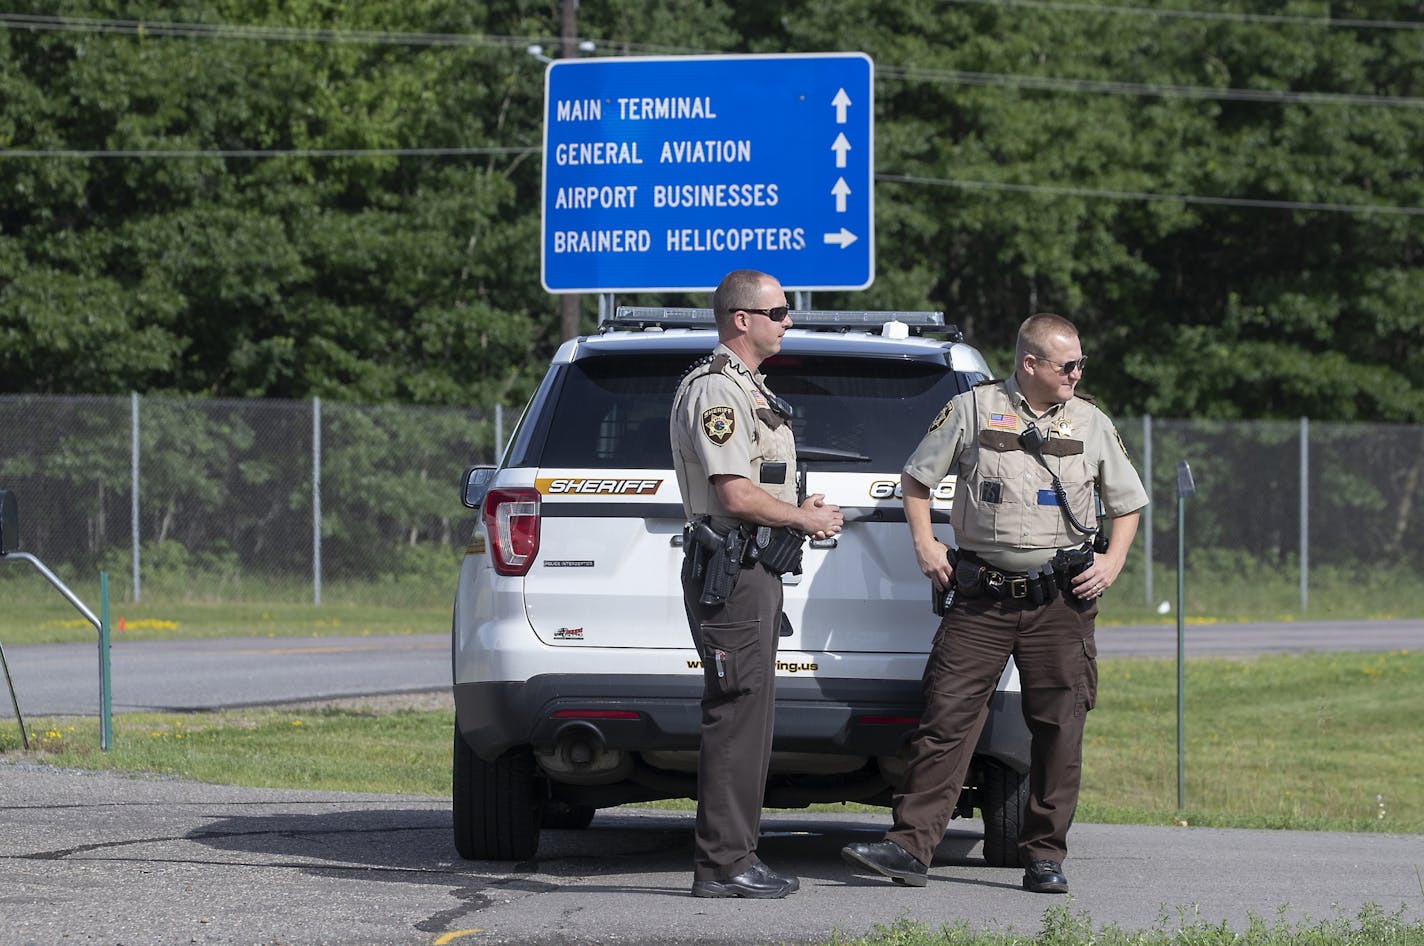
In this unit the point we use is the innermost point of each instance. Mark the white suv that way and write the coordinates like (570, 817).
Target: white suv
(576, 683)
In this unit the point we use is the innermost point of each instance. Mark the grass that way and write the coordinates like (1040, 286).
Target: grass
(1236, 589)
(1221, 589)
(326, 749)
(1307, 741)
(1061, 927)
(1313, 741)
(35, 619)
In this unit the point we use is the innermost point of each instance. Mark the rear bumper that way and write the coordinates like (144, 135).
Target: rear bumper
(827, 716)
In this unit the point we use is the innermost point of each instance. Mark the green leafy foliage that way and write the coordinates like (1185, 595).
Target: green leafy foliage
(1029, 158)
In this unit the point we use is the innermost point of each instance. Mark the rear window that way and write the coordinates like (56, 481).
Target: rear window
(851, 413)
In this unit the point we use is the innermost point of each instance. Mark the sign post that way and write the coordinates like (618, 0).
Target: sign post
(1186, 488)
(664, 174)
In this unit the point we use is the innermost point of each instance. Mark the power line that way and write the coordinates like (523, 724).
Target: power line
(904, 73)
(1053, 84)
(265, 153)
(1140, 195)
(887, 178)
(1273, 18)
(228, 31)
(280, 33)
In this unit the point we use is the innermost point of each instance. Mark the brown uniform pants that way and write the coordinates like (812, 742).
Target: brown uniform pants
(737, 642)
(1056, 655)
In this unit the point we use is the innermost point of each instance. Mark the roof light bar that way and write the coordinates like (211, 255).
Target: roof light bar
(644, 317)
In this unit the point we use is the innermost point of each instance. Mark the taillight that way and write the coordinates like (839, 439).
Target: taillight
(512, 525)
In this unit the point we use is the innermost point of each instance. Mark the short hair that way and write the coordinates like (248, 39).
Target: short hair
(737, 290)
(1037, 330)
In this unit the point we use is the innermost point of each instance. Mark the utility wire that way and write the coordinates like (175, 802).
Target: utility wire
(1140, 195)
(1051, 84)
(264, 153)
(227, 31)
(905, 73)
(887, 178)
(1273, 18)
(281, 33)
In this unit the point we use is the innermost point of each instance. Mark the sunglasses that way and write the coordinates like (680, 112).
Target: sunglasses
(1067, 367)
(775, 313)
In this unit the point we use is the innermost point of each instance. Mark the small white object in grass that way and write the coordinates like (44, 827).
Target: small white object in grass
(1164, 607)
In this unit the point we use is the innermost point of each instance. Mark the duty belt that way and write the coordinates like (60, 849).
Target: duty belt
(976, 578)
(717, 557)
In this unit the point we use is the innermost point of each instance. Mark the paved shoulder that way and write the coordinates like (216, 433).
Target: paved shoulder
(206, 673)
(1202, 640)
(100, 856)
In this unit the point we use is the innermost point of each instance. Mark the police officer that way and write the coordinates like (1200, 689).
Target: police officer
(735, 459)
(1029, 452)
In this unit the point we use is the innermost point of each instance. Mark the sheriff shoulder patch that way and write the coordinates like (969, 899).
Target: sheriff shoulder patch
(942, 416)
(719, 423)
(1120, 444)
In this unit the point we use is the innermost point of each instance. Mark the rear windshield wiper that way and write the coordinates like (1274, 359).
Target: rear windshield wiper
(828, 455)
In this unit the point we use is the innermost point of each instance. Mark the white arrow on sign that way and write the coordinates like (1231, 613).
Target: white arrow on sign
(840, 102)
(840, 147)
(845, 238)
(841, 190)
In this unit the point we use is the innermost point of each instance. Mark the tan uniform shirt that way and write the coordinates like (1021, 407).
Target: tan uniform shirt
(723, 423)
(1004, 506)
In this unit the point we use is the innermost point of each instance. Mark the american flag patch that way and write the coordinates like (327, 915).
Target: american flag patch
(758, 399)
(1004, 421)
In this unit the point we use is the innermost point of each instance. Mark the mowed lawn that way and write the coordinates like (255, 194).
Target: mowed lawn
(1319, 741)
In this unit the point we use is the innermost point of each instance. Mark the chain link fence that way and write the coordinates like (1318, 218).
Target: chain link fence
(1300, 510)
(244, 499)
(309, 501)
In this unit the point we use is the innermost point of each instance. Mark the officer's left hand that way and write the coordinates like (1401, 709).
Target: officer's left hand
(1098, 577)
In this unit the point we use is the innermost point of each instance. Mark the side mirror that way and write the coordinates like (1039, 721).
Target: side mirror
(474, 484)
(9, 522)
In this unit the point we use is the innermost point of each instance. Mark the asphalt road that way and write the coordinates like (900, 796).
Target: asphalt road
(106, 858)
(181, 675)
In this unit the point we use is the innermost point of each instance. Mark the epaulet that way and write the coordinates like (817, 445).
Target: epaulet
(1087, 397)
(987, 381)
(701, 363)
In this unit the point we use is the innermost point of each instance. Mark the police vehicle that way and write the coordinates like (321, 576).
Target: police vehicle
(576, 684)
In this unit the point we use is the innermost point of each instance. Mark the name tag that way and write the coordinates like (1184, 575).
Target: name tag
(1046, 497)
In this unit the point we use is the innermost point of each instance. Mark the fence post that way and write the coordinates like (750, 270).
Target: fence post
(316, 500)
(134, 489)
(498, 433)
(1304, 513)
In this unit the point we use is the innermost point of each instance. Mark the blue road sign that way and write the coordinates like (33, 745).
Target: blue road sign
(664, 174)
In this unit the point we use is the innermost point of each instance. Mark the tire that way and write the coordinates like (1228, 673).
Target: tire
(1003, 795)
(495, 804)
(561, 816)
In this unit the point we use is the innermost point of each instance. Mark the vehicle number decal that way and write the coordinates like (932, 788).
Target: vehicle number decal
(890, 489)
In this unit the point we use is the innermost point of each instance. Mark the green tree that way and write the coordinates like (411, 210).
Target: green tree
(1029, 158)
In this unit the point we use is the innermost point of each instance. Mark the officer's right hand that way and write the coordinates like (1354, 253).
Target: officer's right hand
(823, 519)
(934, 562)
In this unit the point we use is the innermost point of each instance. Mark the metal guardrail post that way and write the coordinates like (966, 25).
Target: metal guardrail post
(99, 625)
(14, 701)
(9, 535)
